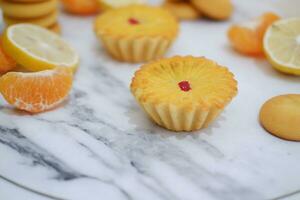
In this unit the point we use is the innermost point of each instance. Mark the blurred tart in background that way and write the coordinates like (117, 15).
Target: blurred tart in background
(136, 33)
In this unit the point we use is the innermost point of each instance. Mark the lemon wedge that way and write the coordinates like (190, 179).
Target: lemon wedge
(36, 48)
(282, 45)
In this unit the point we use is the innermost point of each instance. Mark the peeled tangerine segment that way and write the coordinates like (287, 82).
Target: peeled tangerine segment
(247, 37)
(37, 48)
(36, 91)
(282, 45)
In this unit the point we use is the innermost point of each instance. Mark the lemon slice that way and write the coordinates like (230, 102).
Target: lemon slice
(36, 48)
(109, 4)
(282, 45)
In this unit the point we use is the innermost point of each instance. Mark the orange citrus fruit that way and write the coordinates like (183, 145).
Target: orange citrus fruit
(247, 38)
(81, 7)
(6, 62)
(36, 91)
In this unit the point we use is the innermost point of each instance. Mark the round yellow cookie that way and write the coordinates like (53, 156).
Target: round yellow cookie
(281, 116)
(56, 28)
(25, 1)
(44, 21)
(28, 10)
(182, 10)
(215, 9)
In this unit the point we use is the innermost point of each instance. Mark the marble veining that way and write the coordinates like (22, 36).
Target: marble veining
(100, 145)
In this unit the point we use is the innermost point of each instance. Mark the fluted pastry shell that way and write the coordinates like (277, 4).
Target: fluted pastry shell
(136, 50)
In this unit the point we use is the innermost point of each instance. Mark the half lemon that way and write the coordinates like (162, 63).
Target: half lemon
(36, 48)
(282, 45)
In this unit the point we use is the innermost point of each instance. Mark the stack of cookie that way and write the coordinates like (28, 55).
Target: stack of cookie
(194, 9)
(40, 12)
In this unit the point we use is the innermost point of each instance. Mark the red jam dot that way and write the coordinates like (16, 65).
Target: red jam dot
(184, 86)
(133, 21)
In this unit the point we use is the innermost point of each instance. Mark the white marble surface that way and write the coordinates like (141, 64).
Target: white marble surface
(100, 144)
